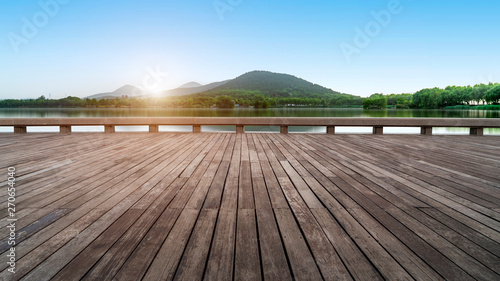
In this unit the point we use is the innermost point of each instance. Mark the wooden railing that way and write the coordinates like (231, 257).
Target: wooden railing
(476, 125)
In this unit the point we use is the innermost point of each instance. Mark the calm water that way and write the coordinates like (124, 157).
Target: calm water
(247, 112)
(241, 112)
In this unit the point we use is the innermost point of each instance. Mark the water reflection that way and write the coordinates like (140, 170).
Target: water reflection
(240, 112)
(248, 112)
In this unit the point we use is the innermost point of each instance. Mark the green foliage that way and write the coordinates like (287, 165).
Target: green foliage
(493, 94)
(399, 101)
(263, 89)
(225, 102)
(453, 95)
(273, 84)
(42, 101)
(375, 101)
(475, 107)
(260, 102)
(280, 90)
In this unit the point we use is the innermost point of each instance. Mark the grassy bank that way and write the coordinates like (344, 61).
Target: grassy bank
(476, 107)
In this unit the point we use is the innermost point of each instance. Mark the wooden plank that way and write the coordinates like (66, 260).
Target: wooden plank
(464, 230)
(41, 252)
(258, 184)
(302, 187)
(83, 262)
(415, 192)
(245, 191)
(213, 199)
(100, 225)
(444, 246)
(193, 261)
(438, 262)
(260, 193)
(415, 266)
(430, 236)
(247, 258)
(139, 261)
(59, 259)
(33, 228)
(165, 263)
(492, 223)
(220, 265)
(274, 260)
(359, 266)
(81, 191)
(301, 259)
(115, 257)
(276, 195)
(347, 206)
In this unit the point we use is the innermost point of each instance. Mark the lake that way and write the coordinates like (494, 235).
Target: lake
(249, 112)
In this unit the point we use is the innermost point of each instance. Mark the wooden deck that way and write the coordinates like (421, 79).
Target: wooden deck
(132, 206)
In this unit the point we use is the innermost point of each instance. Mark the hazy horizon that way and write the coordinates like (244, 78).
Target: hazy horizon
(64, 47)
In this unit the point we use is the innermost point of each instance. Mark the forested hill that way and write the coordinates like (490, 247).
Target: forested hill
(279, 90)
(274, 84)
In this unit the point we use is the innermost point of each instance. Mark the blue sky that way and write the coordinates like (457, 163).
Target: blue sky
(79, 48)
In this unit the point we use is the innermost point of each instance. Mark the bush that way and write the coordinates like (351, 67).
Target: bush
(225, 102)
(375, 101)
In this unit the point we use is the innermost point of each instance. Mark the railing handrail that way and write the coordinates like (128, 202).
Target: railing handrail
(476, 125)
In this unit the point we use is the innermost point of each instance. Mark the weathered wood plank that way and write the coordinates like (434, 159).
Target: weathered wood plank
(193, 261)
(247, 258)
(253, 206)
(274, 260)
(220, 265)
(301, 260)
(165, 263)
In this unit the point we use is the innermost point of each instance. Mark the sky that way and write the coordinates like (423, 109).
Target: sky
(60, 48)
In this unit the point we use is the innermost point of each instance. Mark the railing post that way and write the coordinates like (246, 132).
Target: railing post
(377, 130)
(153, 129)
(284, 129)
(196, 128)
(108, 129)
(20, 130)
(330, 130)
(477, 131)
(426, 131)
(240, 129)
(65, 129)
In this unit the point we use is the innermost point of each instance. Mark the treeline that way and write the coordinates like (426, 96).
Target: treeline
(66, 102)
(285, 97)
(452, 96)
(44, 102)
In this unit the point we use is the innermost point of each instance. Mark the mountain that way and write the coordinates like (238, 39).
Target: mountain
(273, 84)
(266, 83)
(191, 85)
(127, 90)
(183, 90)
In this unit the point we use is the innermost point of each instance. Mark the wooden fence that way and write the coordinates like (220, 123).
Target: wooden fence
(476, 125)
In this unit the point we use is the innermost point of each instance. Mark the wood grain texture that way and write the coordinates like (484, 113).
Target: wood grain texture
(225, 206)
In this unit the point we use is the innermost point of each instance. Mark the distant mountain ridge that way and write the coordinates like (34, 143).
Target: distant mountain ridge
(183, 91)
(190, 85)
(270, 83)
(266, 82)
(127, 90)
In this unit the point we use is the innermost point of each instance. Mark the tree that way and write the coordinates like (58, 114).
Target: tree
(478, 92)
(225, 102)
(260, 102)
(493, 94)
(375, 101)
